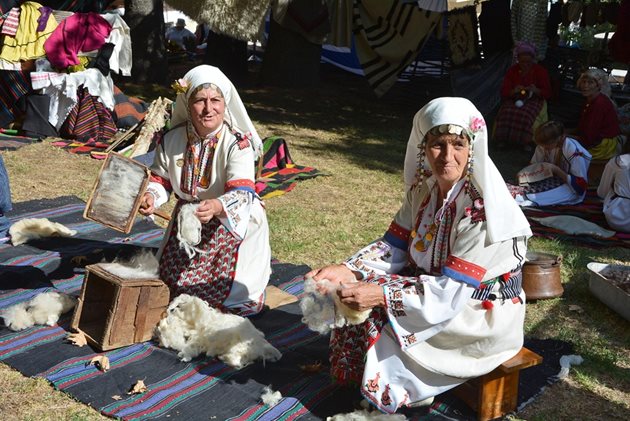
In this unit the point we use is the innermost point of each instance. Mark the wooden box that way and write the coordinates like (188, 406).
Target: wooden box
(113, 312)
(117, 193)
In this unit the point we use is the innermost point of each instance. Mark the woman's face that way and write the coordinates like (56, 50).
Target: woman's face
(588, 86)
(447, 155)
(207, 108)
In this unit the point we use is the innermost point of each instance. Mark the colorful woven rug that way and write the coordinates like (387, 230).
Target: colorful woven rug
(11, 142)
(590, 210)
(204, 388)
(80, 148)
(280, 174)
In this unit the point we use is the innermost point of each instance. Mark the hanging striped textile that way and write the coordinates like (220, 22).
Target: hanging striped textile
(88, 120)
(389, 35)
(13, 85)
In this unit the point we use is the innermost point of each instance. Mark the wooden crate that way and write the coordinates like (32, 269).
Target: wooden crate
(113, 312)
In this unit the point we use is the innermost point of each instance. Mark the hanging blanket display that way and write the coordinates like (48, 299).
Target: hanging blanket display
(307, 18)
(279, 174)
(89, 121)
(463, 38)
(13, 85)
(128, 110)
(389, 34)
(32, 31)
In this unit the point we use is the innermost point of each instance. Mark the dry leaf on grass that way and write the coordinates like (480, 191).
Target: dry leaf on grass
(101, 362)
(576, 308)
(116, 397)
(77, 339)
(139, 387)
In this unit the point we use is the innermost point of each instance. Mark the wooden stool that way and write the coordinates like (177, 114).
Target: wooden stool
(495, 394)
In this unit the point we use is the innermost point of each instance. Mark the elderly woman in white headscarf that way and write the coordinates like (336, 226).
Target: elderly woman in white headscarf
(217, 244)
(444, 282)
(598, 129)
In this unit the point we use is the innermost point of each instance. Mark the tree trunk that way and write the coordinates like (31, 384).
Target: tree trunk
(290, 60)
(146, 22)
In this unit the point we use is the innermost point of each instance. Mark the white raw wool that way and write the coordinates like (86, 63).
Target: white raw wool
(43, 309)
(363, 415)
(118, 189)
(192, 327)
(17, 317)
(566, 361)
(143, 265)
(188, 229)
(269, 397)
(323, 312)
(34, 228)
(575, 226)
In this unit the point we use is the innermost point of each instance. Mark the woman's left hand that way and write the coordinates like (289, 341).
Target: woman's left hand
(208, 209)
(361, 296)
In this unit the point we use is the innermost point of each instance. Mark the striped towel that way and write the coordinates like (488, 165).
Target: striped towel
(13, 85)
(11, 23)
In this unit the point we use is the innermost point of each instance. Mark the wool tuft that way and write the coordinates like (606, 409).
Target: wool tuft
(364, 415)
(143, 265)
(325, 311)
(28, 229)
(192, 327)
(189, 229)
(43, 309)
(269, 397)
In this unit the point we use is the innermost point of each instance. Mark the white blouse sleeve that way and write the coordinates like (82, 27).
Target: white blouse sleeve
(240, 193)
(160, 177)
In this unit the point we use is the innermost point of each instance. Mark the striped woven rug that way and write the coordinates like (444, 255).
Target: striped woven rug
(204, 388)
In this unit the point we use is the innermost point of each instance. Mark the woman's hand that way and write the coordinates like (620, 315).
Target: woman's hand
(557, 172)
(533, 90)
(147, 206)
(336, 274)
(208, 209)
(361, 296)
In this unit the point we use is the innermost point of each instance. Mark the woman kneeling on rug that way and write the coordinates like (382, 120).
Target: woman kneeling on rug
(445, 280)
(217, 244)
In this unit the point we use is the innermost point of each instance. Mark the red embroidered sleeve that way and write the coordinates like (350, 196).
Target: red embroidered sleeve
(165, 182)
(239, 184)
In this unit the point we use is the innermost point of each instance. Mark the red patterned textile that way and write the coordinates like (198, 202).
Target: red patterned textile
(515, 125)
(349, 344)
(210, 273)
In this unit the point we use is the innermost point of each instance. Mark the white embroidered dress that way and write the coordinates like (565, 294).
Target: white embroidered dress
(614, 188)
(231, 180)
(575, 161)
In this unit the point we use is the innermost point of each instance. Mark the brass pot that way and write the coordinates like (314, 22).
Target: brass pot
(541, 276)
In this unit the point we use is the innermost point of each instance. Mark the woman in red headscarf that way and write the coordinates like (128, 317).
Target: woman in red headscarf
(524, 92)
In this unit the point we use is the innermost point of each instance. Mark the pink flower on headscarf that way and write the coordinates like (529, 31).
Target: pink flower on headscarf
(476, 124)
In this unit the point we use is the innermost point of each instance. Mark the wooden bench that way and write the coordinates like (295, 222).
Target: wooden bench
(495, 394)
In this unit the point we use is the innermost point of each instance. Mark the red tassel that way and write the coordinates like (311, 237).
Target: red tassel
(487, 304)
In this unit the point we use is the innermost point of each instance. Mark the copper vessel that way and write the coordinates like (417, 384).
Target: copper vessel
(541, 276)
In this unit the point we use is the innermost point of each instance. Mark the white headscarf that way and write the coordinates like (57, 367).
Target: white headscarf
(504, 217)
(235, 112)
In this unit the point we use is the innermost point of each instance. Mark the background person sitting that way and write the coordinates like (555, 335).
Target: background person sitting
(566, 160)
(598, 128)
(524, 92)
(180, 36)
(444, 282)
(614, 188)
